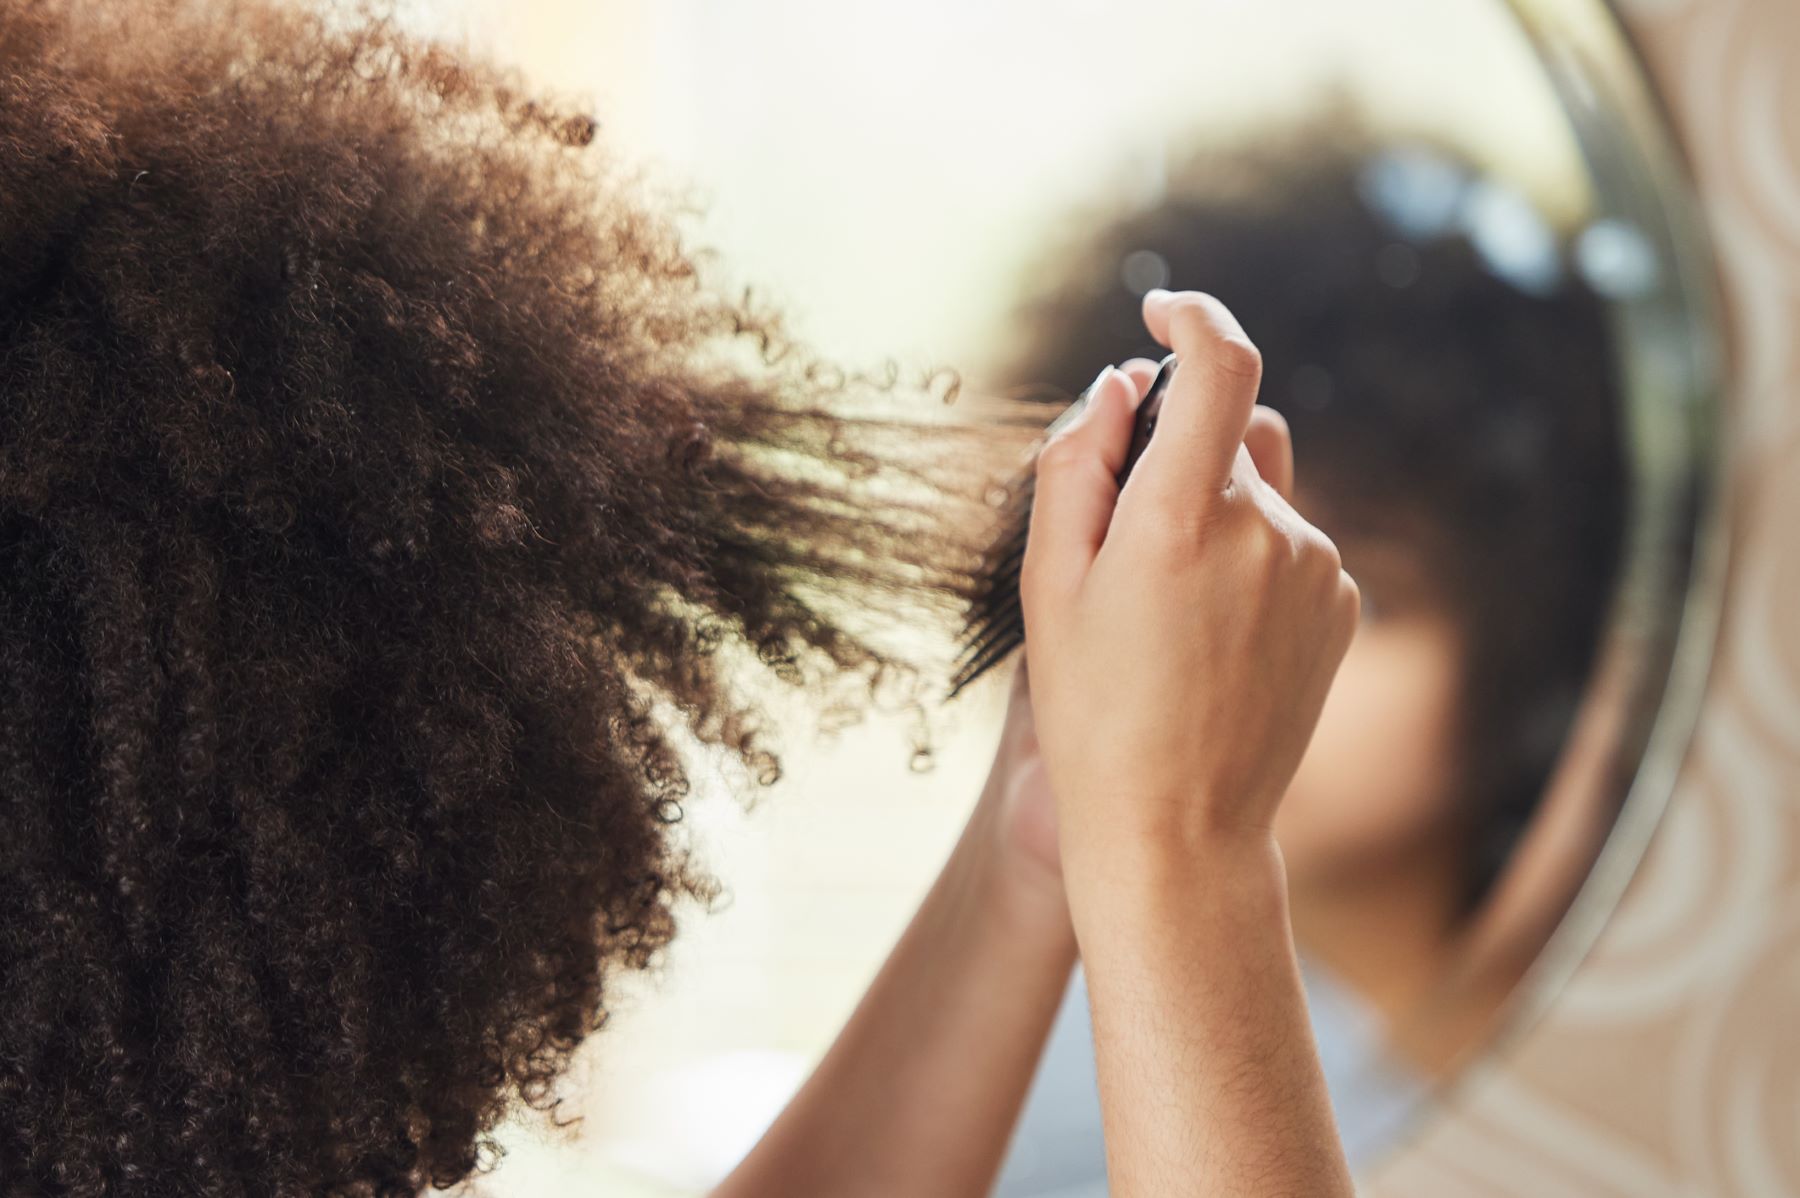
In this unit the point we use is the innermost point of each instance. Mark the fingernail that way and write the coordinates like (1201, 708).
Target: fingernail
(1157, 295)
(1098, 379)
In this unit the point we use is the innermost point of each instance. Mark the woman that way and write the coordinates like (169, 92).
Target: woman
(388, 514)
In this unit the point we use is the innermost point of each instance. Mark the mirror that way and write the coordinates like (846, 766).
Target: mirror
(1460, 234)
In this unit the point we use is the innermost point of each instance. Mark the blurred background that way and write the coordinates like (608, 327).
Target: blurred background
(898, 179)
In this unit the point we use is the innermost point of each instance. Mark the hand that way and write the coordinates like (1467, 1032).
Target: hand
(1017, 784)
(1181, 633)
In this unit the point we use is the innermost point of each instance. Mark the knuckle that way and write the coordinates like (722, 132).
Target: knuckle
(1271, 425)
(1222, 342)
(1287, 555)
(1323, 552)
(1236, 357)
(1348, 605)
(1270, 552)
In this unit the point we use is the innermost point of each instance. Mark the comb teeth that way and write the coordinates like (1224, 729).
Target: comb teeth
(995, 624)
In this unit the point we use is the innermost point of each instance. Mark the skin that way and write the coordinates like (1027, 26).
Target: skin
(940, 1051)
(1166, 792)
(1138, 831)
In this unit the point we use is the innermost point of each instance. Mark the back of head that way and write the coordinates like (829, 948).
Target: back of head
(378, 483)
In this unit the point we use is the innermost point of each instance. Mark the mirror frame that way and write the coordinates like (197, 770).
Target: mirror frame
(1678, 549)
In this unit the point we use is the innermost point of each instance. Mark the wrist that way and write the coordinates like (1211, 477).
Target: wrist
(1015, 845)
(1150, 897)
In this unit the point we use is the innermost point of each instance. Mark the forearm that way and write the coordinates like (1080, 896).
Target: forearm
(1209, 1077)
(920, 1091)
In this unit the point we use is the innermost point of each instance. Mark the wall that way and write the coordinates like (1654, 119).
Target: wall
(1671, 1064)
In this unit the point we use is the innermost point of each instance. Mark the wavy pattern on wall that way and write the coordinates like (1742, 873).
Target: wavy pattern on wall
(1670, 1067)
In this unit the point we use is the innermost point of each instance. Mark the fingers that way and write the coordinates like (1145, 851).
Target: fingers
(1142, 372)
(1076, 489)
(1271, 449)
(1207, 411)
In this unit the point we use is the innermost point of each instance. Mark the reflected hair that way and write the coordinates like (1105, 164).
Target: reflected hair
(1441, 395)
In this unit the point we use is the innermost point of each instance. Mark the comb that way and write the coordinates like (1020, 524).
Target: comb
(995, 623)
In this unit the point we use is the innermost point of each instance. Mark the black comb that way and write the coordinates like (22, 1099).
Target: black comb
(995, 624)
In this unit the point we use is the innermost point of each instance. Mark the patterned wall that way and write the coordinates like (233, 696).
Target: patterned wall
(1670, 1066)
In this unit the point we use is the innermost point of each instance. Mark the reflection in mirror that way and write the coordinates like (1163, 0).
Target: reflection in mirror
(1445, 365)
(1458, 235)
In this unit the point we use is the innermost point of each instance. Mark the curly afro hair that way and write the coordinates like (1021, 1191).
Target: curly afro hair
(391, 515)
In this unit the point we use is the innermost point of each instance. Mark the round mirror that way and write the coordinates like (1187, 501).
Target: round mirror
(1462, 237)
